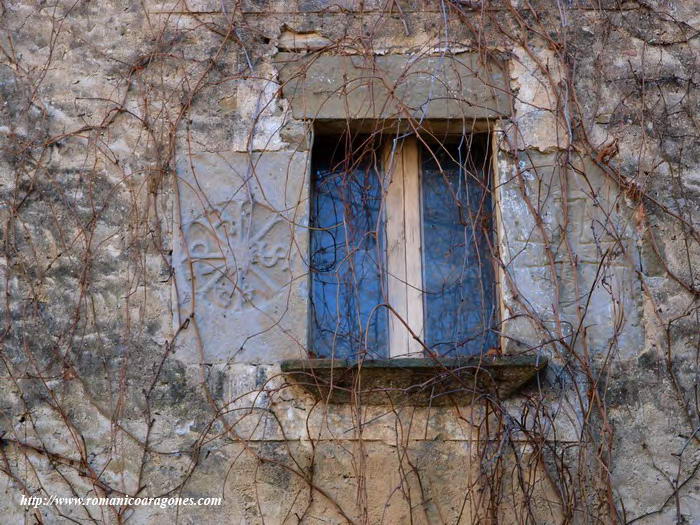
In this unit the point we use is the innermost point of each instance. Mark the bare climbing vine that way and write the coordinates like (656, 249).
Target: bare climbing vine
(104, 107)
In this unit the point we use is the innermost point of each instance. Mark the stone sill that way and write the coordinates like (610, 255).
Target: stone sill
(413, 381)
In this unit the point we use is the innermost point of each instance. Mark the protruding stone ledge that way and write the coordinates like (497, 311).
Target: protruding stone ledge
(413, 381)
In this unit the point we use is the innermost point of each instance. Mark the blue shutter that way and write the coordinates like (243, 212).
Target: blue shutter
(458, 274)
(347, 252)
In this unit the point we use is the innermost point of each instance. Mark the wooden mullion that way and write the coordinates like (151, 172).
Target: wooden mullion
(499, 242)
(404, 258)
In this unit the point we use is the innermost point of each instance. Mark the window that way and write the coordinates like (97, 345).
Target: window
(401, 246)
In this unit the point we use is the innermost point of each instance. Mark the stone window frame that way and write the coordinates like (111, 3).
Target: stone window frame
(467, 92)
(435, 92)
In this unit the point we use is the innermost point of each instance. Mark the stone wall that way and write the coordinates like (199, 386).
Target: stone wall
(146, 146)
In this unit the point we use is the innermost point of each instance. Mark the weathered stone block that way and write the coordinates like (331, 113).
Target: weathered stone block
(462, 86)
(238, 256)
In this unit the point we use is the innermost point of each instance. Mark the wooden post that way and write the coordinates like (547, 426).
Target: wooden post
(404, 257)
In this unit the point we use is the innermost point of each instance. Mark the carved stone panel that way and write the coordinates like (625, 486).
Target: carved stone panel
(239, 257)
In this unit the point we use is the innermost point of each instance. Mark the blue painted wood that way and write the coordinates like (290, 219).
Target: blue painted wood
(347, 254)
(348, 281)
(458, 273)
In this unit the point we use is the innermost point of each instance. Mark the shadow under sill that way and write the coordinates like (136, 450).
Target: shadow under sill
(413, 381)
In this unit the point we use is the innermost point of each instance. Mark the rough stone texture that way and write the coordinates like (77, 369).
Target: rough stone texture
(239, 259)
(460, 86)
(139, 139)
(413, 381)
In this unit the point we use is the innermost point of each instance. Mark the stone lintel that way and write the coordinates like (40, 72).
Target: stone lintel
(462, 86)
